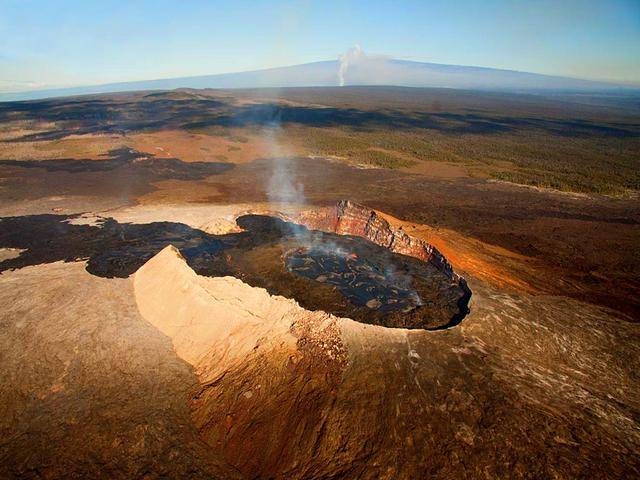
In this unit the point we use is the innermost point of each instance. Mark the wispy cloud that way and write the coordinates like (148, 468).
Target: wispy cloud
(19, 85)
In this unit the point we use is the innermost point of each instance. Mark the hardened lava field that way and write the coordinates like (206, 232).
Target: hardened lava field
(346, 275)
(379, 286)
(364, 283)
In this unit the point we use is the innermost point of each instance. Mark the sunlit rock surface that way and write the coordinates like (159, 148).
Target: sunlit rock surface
(185, 375)
(348, 218)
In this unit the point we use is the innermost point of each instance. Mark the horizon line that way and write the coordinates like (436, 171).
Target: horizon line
(613, 83)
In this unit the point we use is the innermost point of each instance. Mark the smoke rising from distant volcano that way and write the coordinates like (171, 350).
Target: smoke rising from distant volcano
(368, 69)
(353, 55)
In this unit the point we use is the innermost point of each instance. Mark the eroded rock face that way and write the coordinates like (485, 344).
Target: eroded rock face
(88, 388)
(349, 218)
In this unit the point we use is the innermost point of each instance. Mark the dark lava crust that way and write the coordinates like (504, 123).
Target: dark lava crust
(344, 275)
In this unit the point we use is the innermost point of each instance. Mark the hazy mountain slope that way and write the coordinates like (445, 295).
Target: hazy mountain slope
(359, 71)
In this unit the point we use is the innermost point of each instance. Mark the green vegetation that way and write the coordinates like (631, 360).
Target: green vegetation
(589, 164)
(382, 159)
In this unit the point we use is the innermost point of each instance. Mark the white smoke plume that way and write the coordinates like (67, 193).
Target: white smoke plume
(282, 186)
(351, 56)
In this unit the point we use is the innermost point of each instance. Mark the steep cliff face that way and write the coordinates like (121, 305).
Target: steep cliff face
(348, 218)
(351, 219)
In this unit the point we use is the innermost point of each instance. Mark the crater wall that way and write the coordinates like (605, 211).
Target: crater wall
(349, 218)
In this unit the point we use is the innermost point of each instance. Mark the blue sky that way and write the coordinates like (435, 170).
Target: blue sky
(65, 43)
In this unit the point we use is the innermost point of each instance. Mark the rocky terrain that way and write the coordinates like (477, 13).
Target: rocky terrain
(262, 388)
(168, 313)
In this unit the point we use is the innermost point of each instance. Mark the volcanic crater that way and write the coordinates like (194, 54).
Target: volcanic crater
(345, 260)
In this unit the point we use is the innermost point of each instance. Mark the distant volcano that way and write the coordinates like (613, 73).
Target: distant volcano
(355, 68)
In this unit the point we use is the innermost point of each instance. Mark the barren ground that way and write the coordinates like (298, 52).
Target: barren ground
(171, 374)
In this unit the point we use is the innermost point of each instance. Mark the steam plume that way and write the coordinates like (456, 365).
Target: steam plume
(282, 187)
(351, 56)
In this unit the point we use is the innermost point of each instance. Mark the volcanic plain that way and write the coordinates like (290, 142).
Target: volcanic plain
(320, 283)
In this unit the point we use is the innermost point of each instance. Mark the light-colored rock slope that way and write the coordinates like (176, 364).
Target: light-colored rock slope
(88, 389)
(288, 393)
(212, 322)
